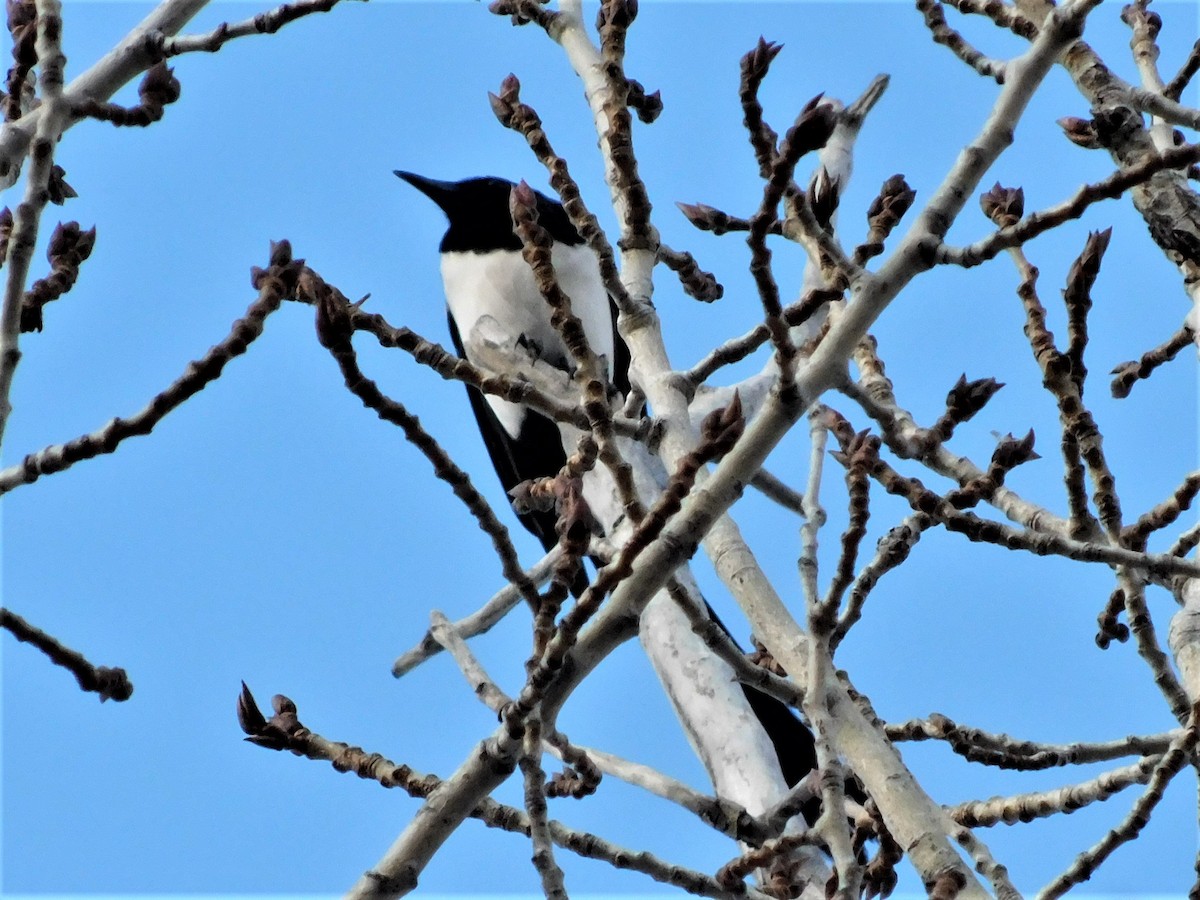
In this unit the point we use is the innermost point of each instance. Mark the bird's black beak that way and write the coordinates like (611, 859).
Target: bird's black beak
(439, 192)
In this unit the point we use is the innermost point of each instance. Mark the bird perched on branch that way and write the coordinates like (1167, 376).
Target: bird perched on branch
(485, 276)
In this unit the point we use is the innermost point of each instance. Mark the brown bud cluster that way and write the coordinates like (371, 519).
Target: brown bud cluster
(505, 103)
(721, 428)
(522, 203)
(1002, 205)
(1086, 267)
(280, 257)
(68, 240)
(756, 63)
(764, 659)
(616, 14)
(109, 683)
(1143, 21)
(879, 876)
(283, 274)
(811, 130)
(1010, 453)
(709, 218)
(277, 733)
(1081, 132)
(159, 88)
(886, 210)
(562, 493)
(69, 247)
(647, 106)
(859, 452)
(1109, 627)
(576, 781)
(22, 25)
(522, 12)
(967, 398)
(535, 495)
(58, 189)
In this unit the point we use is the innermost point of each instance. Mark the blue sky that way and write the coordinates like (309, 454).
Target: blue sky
(274, 531)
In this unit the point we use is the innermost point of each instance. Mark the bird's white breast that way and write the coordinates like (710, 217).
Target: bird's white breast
(500, 284)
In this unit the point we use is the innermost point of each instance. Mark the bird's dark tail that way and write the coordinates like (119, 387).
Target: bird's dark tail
(794, 744)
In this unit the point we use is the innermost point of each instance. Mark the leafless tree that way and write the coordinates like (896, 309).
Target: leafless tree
(655, 478)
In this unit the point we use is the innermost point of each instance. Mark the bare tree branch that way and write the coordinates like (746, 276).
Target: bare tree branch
(109, 683)
(273, 284)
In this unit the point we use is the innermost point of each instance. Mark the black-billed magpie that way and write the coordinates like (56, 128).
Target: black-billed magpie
(484, 275)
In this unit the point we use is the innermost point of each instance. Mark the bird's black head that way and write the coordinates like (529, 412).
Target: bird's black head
(478, 212)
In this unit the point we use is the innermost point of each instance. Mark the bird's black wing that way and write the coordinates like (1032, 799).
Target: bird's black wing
(620, 361)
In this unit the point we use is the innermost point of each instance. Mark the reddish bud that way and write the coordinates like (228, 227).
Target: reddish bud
(812, 129)
(522, 202)
(967, 398)
(1081, 132)
(647, 106)
(159, 86)
(58, 189)
(757, 61)
(1012, 452)
(894, 200)
(249, 716)
(1002, 205)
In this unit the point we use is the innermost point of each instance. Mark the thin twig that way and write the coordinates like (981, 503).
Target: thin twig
(1175, 87)
(1129, 373)
(334, 331)
(1039, 222)
(264, 23)
(1021, 808)
(284, 731)
(553, 881)
(943, 34)
(1128, 829)
(273, 285)
(1006, 752)
(480, 621)
(109, 683)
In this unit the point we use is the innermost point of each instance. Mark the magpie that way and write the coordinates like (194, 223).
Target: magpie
(484, 274)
